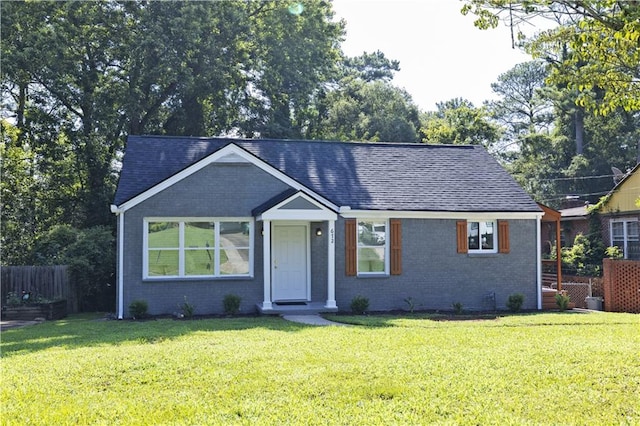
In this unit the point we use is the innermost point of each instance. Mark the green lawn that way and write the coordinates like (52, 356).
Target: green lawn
(551, 368)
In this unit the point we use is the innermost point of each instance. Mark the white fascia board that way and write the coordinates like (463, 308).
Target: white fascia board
(353, 214)
(231, 151)
(307, 215)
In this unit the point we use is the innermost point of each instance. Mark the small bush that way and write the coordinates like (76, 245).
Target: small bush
(359, 305)
(515, 301)
(187, 308)
(138, 309)
(457, 308)
(231, 304)
(562, 300)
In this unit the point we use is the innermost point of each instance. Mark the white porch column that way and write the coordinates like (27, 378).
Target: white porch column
(331, 266)
(266, 254)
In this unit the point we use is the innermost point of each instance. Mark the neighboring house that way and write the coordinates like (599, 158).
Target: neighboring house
(574, 221)
(312, 224)
(620, 215)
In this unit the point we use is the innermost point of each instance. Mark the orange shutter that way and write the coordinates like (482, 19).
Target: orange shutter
(351, 247)
(503, 236)
(463, 241)
(396, 246)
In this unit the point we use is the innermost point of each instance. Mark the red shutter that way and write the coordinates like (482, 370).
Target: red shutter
(503, 236)
(351, 247)
(463, 241)
(396, 246)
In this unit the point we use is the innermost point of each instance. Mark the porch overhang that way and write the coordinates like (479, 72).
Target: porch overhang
(295, 206)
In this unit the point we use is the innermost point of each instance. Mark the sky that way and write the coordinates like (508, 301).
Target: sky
(442, 55)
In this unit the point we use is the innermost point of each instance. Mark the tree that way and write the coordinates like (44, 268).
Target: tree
(594, 49)
(369, 111)
(457, 121)
(523, 107)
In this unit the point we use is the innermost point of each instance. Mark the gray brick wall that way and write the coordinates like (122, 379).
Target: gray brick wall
(204, 193)
(434, 275)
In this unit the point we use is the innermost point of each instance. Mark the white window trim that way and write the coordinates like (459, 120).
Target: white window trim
(386, 248)
(181, 249)
(625, 235)
(480, 250)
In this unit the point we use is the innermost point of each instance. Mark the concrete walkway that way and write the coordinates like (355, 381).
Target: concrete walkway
(311, 320)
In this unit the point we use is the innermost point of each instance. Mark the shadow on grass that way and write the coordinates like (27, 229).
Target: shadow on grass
(89, 330)
(500, 318)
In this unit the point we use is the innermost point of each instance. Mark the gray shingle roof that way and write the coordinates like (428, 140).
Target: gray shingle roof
(367, 176)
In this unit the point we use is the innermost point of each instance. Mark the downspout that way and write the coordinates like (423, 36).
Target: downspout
(539, 261)
(120, 284)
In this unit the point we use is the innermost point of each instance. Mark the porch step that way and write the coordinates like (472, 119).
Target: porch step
(295, 309)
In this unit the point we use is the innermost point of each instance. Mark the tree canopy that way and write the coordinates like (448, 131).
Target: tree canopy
(594, 47)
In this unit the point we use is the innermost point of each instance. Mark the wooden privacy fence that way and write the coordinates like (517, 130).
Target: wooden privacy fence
(49, 282)
(621, 285)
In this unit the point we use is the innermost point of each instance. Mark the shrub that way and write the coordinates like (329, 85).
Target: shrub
(515, 301)
(562, 300)
(138, 309)
(457, 308)
(187, 308)
(231, 304)
(359, 305)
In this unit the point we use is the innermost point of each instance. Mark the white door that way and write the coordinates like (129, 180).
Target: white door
(289, 262)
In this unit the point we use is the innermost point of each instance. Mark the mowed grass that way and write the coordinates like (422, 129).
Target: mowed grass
(550, 368)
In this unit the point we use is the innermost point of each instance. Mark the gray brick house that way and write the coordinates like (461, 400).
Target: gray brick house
(311, 224)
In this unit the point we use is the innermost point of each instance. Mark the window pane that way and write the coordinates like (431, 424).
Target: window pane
(234, 234)
(617, 231)
(199, 234)
(371, 234)
(164, 234)
(473, 231)
(486, 235)
(234, 262)
(199, 262)
(163, 262)
(371, 259)
(632, 231)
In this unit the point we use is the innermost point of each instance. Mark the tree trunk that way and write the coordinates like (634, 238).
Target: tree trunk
(579, 123)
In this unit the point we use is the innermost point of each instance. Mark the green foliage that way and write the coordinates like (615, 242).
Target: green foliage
(584, 256)
(457, 121)
(562, 300)
(593, 48)
(187, 308)
(359, 305)
(614, 252)
(457, 308)
(374, 111)
(515, 301)
(231, 304)
(138, 309)
(90, 255)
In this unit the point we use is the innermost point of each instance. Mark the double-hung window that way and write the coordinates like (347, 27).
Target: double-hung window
(197, 247)
(372, 247)
(625, 235)
(482, 237)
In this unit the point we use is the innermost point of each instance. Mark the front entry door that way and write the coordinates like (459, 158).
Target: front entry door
(289, 262)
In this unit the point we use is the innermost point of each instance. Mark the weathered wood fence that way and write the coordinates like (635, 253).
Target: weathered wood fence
(50, 282)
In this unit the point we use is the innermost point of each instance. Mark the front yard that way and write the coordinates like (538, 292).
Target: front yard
(547, 368)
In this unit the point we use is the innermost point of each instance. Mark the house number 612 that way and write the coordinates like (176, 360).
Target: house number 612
(331, 232)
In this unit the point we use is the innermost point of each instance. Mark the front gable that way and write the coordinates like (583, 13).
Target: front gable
(228, 155)
(623, 198)
(296, 207)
